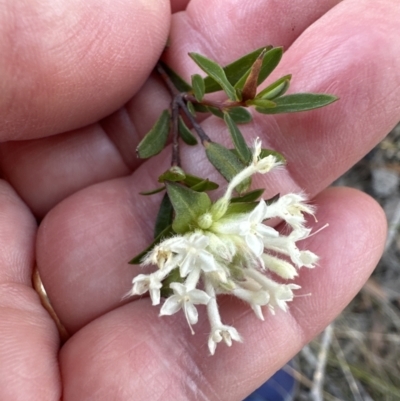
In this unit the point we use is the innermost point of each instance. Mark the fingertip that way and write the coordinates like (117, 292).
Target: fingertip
(72, 63)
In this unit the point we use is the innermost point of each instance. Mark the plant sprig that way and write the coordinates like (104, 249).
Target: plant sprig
(239, 81)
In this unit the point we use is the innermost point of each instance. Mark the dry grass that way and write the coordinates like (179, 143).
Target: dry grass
(358, 356)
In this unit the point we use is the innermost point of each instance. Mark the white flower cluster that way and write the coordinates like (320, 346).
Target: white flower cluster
(232, 255)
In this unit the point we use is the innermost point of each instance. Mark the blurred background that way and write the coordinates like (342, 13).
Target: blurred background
(358, 356)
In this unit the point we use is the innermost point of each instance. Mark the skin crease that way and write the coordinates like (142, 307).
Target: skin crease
(119, 352)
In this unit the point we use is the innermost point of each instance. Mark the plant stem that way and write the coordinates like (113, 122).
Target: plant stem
(176, 158)
(179, 100)
(204, 138)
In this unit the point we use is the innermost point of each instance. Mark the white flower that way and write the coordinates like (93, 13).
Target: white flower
(148, 282)
(250, 227)
(256, 299)
(193, 254)
(290, 208)
(265, 164)
(222, 332)
(279, 294)
(258, 165)
(222, 247)
(279, 266)
(163, 256)
(286, 245)
(184, 299)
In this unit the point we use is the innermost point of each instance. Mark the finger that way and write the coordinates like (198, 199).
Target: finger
(122, 223)
(29, 339)
(107, 150)
(121, 353)
(68, 64)
(178, 5)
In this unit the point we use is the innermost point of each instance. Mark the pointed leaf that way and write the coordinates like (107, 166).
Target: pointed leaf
(298, 102)
(240, 208)
(249, 196)
(176, 79)
(168, 232)
(173, 277)
(188, 206)
(270, 61)
(174, 173)
(164, 216)
(249, 89)
(202, 186)
(235, 70)
(272, 200)
(155, 140)
(276, 89)
(226, 163)
(152, 192)
(261, 103)
(216, 72)
(240, 115)
(200, 108)
(241, 147)
(186, 134)
(215, 111)
(195, 182)
(191, 108)
(198, 87)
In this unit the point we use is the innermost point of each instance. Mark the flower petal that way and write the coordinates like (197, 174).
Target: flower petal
(171, 305)
(199, 297)
(191, 313)
(255, 244)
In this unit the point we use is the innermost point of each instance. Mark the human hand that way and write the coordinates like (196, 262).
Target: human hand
(128, 352)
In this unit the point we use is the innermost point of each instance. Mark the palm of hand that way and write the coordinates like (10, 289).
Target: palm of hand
(120, 351)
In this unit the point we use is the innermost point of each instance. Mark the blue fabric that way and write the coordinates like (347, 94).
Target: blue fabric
(280, 387)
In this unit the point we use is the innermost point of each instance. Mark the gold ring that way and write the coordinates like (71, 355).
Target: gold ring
(44, 299)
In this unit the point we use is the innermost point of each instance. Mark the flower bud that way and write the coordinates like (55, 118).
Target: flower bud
(205, 221)
(219, 208)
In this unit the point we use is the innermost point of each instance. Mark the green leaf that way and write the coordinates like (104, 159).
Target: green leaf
(193, 182)
(276, 89)
(198, 87)
(153, 191)
(261, 103)
(174, 173)
(226, 163)
(270, 61)
(235, 70)
(164, 216)
(240, 115)
(155, 140)
(176, 79)
(241, 207)
(188, 206)
(215, 111)
(200, 108)
(168, 232)
(249, 196)
(216, 72)
(241, 147)
(298, 102)
(191, 108)
(202, 186)
(267, 152)
(186, 134)
(272, 200)
(173, 277)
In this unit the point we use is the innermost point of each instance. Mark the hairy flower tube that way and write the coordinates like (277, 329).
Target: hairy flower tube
(230, 250)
